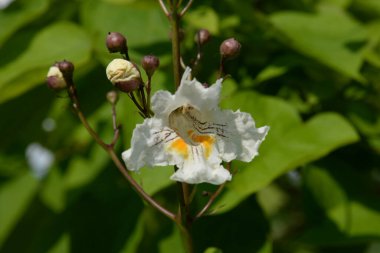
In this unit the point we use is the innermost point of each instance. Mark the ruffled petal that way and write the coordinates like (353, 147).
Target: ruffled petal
(148, 146)
(241, 139)
(194, 93)
(200, 167)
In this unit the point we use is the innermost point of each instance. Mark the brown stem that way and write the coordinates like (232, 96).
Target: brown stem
(109, 149)
(210, 201)
(176, 54)
(163, 7)
(213, 197)
(186, 8)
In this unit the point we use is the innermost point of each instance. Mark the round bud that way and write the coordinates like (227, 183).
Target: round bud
(116, 42)
(112, 97)
(124, 75)
(66, 67)
(150, 63)
(55, 79)
(230, 48)
(202, 36)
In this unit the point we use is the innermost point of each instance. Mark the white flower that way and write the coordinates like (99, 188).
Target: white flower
(190, 131)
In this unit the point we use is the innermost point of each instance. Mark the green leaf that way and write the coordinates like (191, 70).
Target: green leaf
(289, 144)
(59, 41)
(244, 228)
(11, 20)
(347, 215)
(154, 179)
(203, 18)
(15, 196)
(331, 37)
(142, 22)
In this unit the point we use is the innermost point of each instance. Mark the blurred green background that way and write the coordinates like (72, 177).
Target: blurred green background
(310, 69)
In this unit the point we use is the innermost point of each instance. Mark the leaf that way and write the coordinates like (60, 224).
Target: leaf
(59, 41)
(15, 196)
(203, 18)
(345, 214)
(154, 179)
(289, 144)
(331, 37)
(244, 228)
(11, 20)
(142, 22)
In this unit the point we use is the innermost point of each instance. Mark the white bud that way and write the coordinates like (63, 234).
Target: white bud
(120, 70)
(55, 78)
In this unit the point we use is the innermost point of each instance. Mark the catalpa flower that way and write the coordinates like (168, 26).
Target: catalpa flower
(190, 131)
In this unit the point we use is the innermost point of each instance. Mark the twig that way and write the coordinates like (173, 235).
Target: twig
(186, 8)
(163, 7)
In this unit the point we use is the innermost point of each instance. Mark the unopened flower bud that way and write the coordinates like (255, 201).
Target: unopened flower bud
(230, 48)
(202, 36)
(66, 67)
(55, 79)
(116, 42)
(112, 97)
(124, 75)
(150, 63)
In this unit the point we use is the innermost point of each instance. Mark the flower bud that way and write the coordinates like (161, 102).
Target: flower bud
(55, 79)
(112, 97)
(230, 48)
(66, 67)
(202, 36)
(124, 75)
(116, 42)
(150, 63)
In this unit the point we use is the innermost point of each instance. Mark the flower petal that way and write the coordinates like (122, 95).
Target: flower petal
(148, 146)
(242, 138)
(200, 167)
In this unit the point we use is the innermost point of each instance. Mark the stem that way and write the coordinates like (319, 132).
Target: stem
(186, 8)
(176, 54)
(186, 237)
(109, 149)
(210, 201)
(213, 196)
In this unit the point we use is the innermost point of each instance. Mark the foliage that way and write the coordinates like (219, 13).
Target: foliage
(309, 69)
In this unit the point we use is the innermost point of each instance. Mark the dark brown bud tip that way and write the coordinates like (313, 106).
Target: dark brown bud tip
(116, 43)
(202, 36)
(150, 63)
(66, 67)
(128, 86)
(230, 48)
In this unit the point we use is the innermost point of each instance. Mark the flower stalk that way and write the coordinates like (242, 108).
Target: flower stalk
(109, 148)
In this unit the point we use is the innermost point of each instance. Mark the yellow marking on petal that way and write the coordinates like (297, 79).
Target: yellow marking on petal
(180, 146)
(205, 140)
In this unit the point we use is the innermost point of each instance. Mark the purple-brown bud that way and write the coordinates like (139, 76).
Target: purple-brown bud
(230, 48)
(66, 67)
(150, 63)
(202, 36)
(116, 43)
(54, 79)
